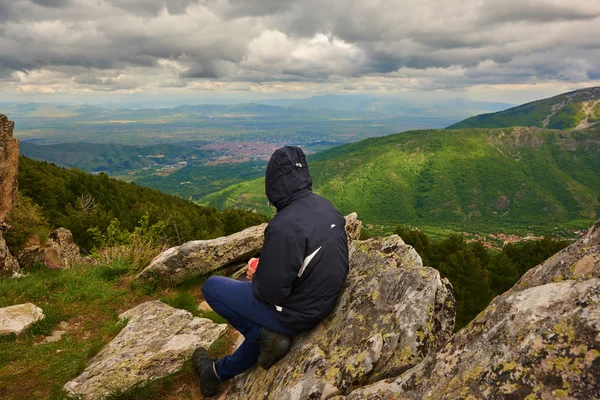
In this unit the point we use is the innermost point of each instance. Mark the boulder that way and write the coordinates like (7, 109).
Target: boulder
(390, 315)
(9, 266)
(9, 167)
(60, 251)
(200, 257)
(62, 240)
(15, 319)
(539, 340)
(156, 341)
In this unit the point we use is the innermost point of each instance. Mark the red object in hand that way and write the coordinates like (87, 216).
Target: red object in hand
(252, 265)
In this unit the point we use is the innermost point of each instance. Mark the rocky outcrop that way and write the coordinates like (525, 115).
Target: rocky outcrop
(200, 257)
(15, 319)
(391, 314)
(156, 341)
(60, 251)
(9, 266)
(539, 340)
(9, 167)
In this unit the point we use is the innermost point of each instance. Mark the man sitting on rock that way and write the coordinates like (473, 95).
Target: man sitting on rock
(302, 270)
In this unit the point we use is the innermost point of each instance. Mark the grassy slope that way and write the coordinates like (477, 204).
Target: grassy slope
(88, 298)
(466, 179)
(534, 113)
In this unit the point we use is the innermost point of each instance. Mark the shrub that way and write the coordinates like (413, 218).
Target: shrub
(28, 224)
(118, 246)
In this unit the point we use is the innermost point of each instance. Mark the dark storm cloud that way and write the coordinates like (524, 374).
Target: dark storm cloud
(534, 11)
(201, 70)
(153, 7)
(100, 44)
(51, 3)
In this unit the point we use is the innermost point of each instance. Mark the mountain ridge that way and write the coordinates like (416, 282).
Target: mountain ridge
(510, 177)
(578, 109)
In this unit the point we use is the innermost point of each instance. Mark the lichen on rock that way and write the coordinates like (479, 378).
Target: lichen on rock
(384, 323)
(156, 341)
(15, 319)
(541, 339)
(200, 257)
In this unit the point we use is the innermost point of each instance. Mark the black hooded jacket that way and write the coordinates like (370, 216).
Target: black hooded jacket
(304, 261)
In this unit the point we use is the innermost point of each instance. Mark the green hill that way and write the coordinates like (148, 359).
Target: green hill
(79, 201)
(478, 179)
(574, 110)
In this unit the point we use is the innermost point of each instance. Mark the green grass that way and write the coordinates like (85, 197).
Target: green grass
(89, 299)
(476, 180)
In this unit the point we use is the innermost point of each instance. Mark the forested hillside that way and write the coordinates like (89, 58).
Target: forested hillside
(79, 201)
(574, 110)
(479, 179)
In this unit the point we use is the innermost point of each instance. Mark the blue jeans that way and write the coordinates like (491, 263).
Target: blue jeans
(234, 301)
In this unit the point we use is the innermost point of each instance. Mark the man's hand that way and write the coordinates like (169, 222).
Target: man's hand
(252, 265)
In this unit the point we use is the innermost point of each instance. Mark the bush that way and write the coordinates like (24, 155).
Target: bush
(28, 224)
(118, 246)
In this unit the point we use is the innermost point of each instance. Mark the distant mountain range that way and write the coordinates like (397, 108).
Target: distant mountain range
(574, 110)
(332, 118)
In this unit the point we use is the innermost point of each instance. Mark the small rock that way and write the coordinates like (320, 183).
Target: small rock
(55, 336)
(204, 307)
(353, 226)
(9, 266)
(15, 319)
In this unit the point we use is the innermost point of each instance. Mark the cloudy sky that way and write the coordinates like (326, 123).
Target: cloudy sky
(497, 50)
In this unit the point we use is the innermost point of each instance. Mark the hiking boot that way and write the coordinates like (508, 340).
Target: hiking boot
(207, 371)
(273, 347)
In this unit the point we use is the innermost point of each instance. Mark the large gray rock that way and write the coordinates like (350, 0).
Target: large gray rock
(391, 314)
(9, 266)
(156, 341)
(539, 340)
(60, 251)
(15, 319)
(200, 257)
